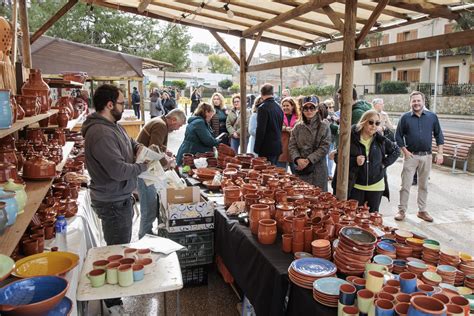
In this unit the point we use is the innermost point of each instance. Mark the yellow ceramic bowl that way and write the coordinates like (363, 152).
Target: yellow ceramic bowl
(46, 263)
(465, 256)
(464, 290)
(415, 240)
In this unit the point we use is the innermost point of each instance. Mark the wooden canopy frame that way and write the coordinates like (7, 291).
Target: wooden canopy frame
(298, 25)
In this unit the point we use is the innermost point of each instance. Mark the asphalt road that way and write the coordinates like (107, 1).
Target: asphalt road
(454, 125)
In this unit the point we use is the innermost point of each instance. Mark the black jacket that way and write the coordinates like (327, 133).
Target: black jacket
(168, 104)
(269, 124)
(382, 154)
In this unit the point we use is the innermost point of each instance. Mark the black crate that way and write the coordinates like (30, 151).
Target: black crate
(194, 276)
(199, 246)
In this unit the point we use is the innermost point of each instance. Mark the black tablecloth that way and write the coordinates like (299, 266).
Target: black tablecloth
(261, 271)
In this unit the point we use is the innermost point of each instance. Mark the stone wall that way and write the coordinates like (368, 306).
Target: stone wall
(454, 105)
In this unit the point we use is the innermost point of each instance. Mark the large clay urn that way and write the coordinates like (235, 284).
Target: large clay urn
(283, 210)
(35, 85)
(258, 212)
(267, 231)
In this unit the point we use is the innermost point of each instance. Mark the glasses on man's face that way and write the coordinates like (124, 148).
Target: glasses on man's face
(236, 101)
(377, 123)
(330, 107)
(309, 108)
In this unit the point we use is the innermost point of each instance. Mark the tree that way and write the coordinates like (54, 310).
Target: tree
(179, 84)
(225, 84)
(220, 64)
(308, 71)
(201, 48)
(174, 46)
(235, 88)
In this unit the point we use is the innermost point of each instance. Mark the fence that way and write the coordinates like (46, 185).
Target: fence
(428, 89)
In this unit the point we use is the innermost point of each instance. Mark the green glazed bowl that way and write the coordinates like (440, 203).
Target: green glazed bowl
(6, 266)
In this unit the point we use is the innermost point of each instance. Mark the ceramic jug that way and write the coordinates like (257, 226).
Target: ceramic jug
(20, 193)
(35, 85)
(6, 115)
(11, 205)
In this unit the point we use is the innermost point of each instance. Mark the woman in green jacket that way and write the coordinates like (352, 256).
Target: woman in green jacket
(198, 137)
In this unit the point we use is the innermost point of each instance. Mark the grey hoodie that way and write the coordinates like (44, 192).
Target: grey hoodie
(110, 159)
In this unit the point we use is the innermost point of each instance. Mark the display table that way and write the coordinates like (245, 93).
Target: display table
(164, 277)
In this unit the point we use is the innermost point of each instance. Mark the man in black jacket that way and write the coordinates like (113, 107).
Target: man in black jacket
(269, 124)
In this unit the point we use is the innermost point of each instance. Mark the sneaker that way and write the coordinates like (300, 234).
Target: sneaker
(117, 310)
(400, 216)
(425, 216)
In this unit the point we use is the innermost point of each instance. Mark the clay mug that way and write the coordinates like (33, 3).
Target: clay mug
(100, 264)
(350, 311)
(112, 272)
(365, 298)
(390, 290)
(147, 264)
(440, 296)
(401, 309)
(30, 247)
(384, 307)
(127, 261)
(130, 253)
(403, 298)
(40, 239)
(375, 267)
(114, 258)
(347, 294)
(374, 281)
(455, 310)
(461, 301)
(144, 253)
(287, 240)
(97, 277)
(125, 275)
(359, 283)
(408, 282)
(138, 272)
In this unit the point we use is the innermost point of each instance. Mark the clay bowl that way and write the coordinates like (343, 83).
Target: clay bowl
(205, 173)
(32, 296)
(210, 186)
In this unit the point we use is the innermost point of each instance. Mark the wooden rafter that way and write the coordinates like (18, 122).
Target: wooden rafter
(425, 7)
(333, 57)
(334, 18)
(163, 17)
(257, 19)
(386, 11)
(254, 47)
(286, 16)
(143, 5)
(372, 20)
(67, 6)
(226, 47)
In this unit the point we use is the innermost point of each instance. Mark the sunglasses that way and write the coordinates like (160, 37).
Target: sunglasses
(309, 108)
(377, 123)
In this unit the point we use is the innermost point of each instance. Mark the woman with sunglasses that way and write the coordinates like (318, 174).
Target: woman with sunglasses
(291, 116)
(370, 155)
(309, 144)
(218, 121)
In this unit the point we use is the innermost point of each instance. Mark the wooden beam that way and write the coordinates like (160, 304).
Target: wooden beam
(52, 20)
(333, 57)
(386, 11)
(333, 17)
(14, 53)
(451, 40)
(243, 96)
(254, 47)
(185, 22)
(143, 5)
(346, 105)
(286, 16)
(226, 47)
(255, 19)
(422, 6)
(372, 20)
(25, 39)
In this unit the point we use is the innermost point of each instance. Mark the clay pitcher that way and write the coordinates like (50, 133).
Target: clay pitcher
(35, 85)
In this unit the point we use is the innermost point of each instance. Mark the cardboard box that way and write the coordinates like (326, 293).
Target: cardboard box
(184, 210)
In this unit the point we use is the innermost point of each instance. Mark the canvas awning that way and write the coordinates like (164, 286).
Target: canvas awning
(54, 55)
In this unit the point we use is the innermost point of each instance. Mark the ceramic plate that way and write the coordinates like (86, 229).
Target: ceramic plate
(417, 265)
(448, 287)
(6, 266)
(431, 246)
(403, 233)
(386, 246)
(432, 276)
(462, 290)
(358, 235)
(46, 263)
(314, 267)
(63, 308)
(329, 286)
(431, 241)
(446, 268)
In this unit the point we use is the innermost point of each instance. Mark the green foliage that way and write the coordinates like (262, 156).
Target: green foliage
(152, 85)
(220, 64)
(174, 46)
(225, 84)
(180, 84)
(235, 88)
(202, 48)
(393, 87)
(316, 90)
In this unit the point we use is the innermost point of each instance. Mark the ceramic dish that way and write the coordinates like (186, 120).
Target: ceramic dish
(448, 287)
(314, 267)
(6, 266)
(432, 276)
(386, 246)
(210, 186)
(63, 308)
(462, 290)
(358, 235)
(329, 286)
(46, 263)
(403, 234)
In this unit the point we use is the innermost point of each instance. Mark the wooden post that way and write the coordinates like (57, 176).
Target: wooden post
(129, 94)
(348, 56)
(281, 74)
(26, 34)
(243, 96)
(142, 97)
(15, 33)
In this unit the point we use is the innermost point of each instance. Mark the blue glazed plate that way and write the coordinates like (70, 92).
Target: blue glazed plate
(329, 286)
(386, 246)
(314, 267)
(62, 309)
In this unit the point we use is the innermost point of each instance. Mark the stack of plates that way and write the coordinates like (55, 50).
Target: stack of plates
(303, 272)
(386, 248)
(447, 273)
(402, 235)
(467, 268)
(430, 253)
(326, 290)
(449, 257)
(431, 278)
(354, 249)
(321, 248)
(417, 245)
(469, 281)
(416, 267)
(459, 279)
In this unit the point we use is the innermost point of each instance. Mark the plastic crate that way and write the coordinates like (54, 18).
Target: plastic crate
(194, 276)
(199, 246)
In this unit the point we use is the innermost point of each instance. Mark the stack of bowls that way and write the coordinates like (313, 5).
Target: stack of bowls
(467, 268)
(431, 278)
(303, 272)
(430, 253)
(385, 261)
(403, 251)
(417, 246)
(402, 235)
(447, 273)
(386, 248)
(417, 268)
(399, 266)
(326, 290)
(449, 257)
(469, 281)
(459, 279)
(321, 248)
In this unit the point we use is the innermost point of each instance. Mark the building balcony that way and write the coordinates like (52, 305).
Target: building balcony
(394, 59)
(466, 50)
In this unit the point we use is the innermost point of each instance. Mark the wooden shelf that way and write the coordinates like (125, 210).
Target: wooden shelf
(36, 191)
(70, 124)
(25, 122)
(61, 83)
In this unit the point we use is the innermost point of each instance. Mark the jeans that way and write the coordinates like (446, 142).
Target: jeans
(136, 109)
(116, 220)
(148, 207)
(285, 165)
(373, 198)
(235, 143)
(272, 159)
(329, 161)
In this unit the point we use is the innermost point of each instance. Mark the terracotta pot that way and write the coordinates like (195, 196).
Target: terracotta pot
(298, 236)
(30, 104)
(62, 118)
(428, 305)
(30, 247)
(40, 239)
(14, 108)
(36, 86)
(320, 234)
(283, 210)
(36, 135)
(280, 196)
(49, 231)
(39, 168)
(267, 231)
(287, 240)
(298, 223)
(287, 225)
(9, 156)
(461, 301)
(258, 212)
(7, 171)
(271, 204)
(20, 112)
(251, 199)
(297, 247)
